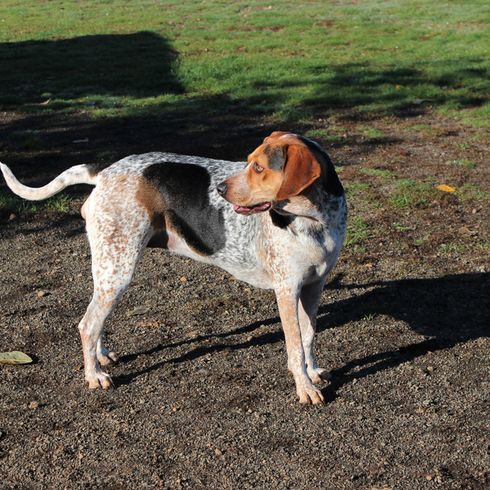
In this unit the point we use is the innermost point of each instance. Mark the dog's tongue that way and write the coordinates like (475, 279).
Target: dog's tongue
(252, 209)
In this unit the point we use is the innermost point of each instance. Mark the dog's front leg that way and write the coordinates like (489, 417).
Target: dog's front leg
(287, 301)
(308, 309)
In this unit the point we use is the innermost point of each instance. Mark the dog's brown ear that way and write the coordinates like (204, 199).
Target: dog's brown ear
(275, 134)
(300, 170)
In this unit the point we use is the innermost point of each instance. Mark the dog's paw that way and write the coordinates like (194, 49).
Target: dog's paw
(310, 395)
(99, 380)
(319, 375)
(106, 357)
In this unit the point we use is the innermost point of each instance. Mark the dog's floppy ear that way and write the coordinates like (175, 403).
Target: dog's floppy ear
(274, 134)
(300, 170)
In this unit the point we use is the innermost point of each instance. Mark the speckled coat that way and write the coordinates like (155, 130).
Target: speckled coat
(171, 201)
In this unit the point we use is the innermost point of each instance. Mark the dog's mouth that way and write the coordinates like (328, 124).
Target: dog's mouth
(257, 208)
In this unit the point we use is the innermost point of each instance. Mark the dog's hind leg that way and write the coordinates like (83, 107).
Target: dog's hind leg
(117, 240)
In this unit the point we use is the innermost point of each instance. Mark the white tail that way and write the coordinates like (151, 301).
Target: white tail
(79, 174)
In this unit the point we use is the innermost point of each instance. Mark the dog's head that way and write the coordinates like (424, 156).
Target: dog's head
(282, 167)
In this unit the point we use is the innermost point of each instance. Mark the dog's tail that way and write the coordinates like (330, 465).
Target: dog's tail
(79, 174)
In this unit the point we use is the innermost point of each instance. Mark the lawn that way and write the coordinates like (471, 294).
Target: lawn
(289, 63)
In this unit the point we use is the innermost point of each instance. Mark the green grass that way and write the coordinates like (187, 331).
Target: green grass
(373, 133)
(330, 135)
(357, 231)
(421, 127)
(377, 172)
(463, 163)
(285, 62)
(401, 227)
(452, 248)
(10, 203)
(356, 187)
(408, 193)
(471, 192)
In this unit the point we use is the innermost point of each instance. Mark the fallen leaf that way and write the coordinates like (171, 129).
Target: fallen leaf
(14, 357)
(445, 188)
(139, 310)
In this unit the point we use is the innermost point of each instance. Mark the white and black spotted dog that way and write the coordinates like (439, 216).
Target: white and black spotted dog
(283, 231)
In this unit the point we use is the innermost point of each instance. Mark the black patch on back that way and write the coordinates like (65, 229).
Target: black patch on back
(331, 181)
(185, 191)
(281, 220)
(95, 168)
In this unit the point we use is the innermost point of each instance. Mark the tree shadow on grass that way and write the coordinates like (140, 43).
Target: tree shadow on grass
(139, 64)
(52, 89)
(361, 91)
(446, 311)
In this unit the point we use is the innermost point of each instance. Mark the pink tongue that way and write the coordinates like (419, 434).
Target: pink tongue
(241, 209)
(254, 209)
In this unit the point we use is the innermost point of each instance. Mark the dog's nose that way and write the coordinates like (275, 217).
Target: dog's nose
(222, 188)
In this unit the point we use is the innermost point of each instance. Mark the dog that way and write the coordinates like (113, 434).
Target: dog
(277, 221)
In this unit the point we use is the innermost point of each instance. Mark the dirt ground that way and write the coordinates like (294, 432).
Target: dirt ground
(203, 398)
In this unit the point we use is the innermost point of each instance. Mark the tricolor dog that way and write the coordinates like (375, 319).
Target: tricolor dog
(277, 222)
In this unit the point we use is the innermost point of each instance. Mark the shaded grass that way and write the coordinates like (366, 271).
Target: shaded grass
(10, 203)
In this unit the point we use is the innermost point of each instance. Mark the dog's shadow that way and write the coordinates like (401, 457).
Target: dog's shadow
(446, 311)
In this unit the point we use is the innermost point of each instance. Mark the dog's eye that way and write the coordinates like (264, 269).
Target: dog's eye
(257, 167)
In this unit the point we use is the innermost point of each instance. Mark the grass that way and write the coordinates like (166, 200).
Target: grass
(377, 172)
(356, 187)
(452, 248)
(10, 203)
(373, 133)
(471, 192)
(463, 163)
(357, 231)
(408, 193)
(284, 62)
(332, 135)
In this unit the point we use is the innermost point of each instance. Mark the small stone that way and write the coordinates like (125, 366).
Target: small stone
(429, 477)
(41, 293)
(33, 405)
(218, 452)
(183, 279)
(12, 216)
